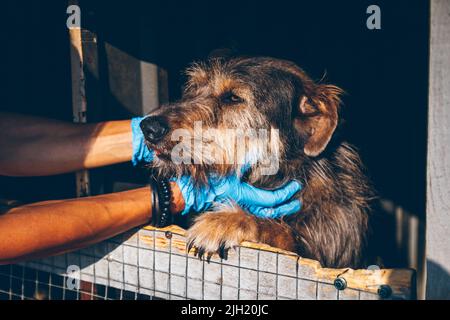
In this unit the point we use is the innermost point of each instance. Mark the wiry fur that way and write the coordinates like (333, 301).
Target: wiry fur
(333, 222)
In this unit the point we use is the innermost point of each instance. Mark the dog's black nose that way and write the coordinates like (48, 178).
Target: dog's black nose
(154, 128)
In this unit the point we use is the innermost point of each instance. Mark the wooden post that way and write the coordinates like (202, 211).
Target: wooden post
(85, 85)
(149, 81)
(79, 105)
(438, 162)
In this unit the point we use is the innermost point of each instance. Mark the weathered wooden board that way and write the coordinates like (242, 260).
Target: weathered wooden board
(438, 167)
(155, 262)
(79, 104)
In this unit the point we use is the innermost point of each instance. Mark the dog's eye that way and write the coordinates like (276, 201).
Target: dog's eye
(231, 98)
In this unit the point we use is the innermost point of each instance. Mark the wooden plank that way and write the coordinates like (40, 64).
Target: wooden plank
(307, 289)
(348, 294)
(326, 292)
(79, 105)
(155, 262)
(401, 281)
(438, 166)
(139, 86)
(287, 287)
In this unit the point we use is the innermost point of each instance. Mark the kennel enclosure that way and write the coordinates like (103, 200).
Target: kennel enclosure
(152, 263)
(128, 266)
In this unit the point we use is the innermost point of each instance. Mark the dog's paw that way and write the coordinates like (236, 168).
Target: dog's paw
(217, 232)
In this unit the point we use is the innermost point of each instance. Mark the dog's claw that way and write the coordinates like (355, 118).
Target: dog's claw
(222, 251)
(200, 253)
(208, 256)
(189, 246)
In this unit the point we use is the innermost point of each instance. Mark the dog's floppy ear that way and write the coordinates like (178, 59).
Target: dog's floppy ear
(317, 117)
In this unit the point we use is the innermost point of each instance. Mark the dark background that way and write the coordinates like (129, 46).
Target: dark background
(384, 72)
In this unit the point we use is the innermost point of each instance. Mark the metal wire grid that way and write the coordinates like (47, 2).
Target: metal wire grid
(22, 283)
(132, 266)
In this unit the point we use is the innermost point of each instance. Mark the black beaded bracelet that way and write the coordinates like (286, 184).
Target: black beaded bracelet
(161, 215)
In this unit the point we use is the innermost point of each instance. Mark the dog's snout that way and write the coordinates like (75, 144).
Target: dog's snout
(154, 128)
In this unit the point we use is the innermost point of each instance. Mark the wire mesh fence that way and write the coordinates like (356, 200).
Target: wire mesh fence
(154, 264)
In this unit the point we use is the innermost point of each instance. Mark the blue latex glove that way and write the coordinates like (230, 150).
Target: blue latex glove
(259, 202)
(140, 151)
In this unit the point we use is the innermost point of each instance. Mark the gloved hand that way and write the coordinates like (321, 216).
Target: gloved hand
(140, 151)
(259, 202)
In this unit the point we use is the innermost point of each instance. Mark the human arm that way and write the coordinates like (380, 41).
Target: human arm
(33, 146)
(54, 227)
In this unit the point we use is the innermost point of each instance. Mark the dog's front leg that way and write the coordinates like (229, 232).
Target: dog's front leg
(217, 232)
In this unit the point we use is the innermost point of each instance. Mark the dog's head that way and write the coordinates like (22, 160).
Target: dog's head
(245, 110)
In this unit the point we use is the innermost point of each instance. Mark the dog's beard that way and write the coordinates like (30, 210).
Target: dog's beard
(221, 153)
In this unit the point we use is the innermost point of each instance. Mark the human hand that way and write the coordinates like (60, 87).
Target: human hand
(259, 202)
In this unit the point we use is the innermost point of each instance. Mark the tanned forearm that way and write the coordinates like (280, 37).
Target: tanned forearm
(33, 146)
(54, 227)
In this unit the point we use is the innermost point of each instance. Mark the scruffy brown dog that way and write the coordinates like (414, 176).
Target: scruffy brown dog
(266, 93)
